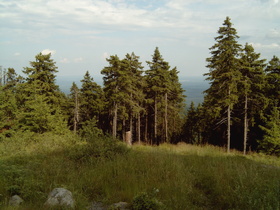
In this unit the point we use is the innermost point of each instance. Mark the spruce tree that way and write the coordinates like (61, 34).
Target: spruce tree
(224, 74)
(8, 110)
(74, 101)
(123, 92)
(192, 131)
(158, 87)
(42, 110)
(132, 81)
(91, 101)
(273, 81)
(41, 76)
(251, 87)
(112, 88)
(270, 144)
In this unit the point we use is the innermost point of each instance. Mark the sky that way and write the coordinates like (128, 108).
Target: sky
(82, 34)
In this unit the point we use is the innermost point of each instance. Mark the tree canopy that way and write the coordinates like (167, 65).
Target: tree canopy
(240, 108)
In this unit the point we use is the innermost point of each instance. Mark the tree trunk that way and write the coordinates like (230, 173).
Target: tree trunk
(115, 119)
(139, 128)
(124, 130)
(165, 119)
(228, 129)
(131, 126)
(75, 125)
(245, 124)
(155, 121)
(146, 128)
(76, 112)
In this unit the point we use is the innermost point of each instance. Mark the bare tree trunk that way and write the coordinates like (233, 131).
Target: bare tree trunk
(245, 124)
(75, 125)
(165, 119)
(124, 130)
(228, 128)
(131, 126)
(1, 76)
(139, 128)
(76, 111)
(155, 119)
(146, 128)
(115, 119)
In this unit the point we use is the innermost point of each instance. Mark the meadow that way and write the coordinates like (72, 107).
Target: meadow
(100, 169)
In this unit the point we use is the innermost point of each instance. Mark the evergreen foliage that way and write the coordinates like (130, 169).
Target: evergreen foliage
(224, 75)
(273, 81)
(74, 106)
(138, 105)
(42, 99)
(164, 98)
(193, 128)
(112, 87)
(91, 99)
(251, 90)
(270, 144)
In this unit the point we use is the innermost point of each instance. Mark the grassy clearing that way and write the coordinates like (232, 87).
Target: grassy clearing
(186, 176)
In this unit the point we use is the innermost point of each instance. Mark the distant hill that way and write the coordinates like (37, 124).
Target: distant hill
(193, 86)
(65, 82)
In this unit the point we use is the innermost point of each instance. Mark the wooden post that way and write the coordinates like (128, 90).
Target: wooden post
(128, 138)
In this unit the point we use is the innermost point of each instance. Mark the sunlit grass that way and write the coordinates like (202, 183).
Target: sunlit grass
(187, 176)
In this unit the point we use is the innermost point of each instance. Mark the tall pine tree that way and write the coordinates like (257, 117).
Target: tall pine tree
(132, 81)
(112, 87)
(158, 87)
(43, 100)
(224, 75)
(91, 99)
(251, 87)
(273, 81)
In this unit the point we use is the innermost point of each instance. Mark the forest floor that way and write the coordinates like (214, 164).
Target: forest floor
(179, 176)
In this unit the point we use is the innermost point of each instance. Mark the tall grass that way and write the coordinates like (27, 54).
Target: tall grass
(186, 176)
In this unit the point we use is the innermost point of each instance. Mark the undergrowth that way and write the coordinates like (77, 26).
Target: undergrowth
(101, 169)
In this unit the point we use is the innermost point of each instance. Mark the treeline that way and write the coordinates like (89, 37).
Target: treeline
(240, 109)
(147, 104)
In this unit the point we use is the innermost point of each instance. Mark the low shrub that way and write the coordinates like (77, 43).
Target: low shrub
(147, 201)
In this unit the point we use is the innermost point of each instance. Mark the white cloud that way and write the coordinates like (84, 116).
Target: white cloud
(17, 54)
(48, 51)
(272, 46)
(105, 55)
(180, 28)
(273, 33)
(64, 60)
(78, 60)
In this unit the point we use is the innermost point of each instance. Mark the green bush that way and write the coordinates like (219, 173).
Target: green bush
(147, 201)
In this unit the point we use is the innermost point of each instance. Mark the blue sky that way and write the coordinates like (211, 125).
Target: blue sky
(81, 34)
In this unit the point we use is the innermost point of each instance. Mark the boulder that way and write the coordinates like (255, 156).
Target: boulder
(97, 206)
(15, 200)
(120, 206)
(60, 197)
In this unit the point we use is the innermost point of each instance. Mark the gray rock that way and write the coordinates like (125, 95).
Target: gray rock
(120, 206)
(60, 197)
(97, 206)
(15, 200)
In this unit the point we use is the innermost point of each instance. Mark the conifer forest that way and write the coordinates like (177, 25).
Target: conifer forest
(241, 107)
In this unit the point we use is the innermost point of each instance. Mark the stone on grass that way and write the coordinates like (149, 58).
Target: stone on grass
(15, 200)
(97, 206)
(60, 197)
(121, 206)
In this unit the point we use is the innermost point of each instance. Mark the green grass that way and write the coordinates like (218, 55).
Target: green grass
(186, 176)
